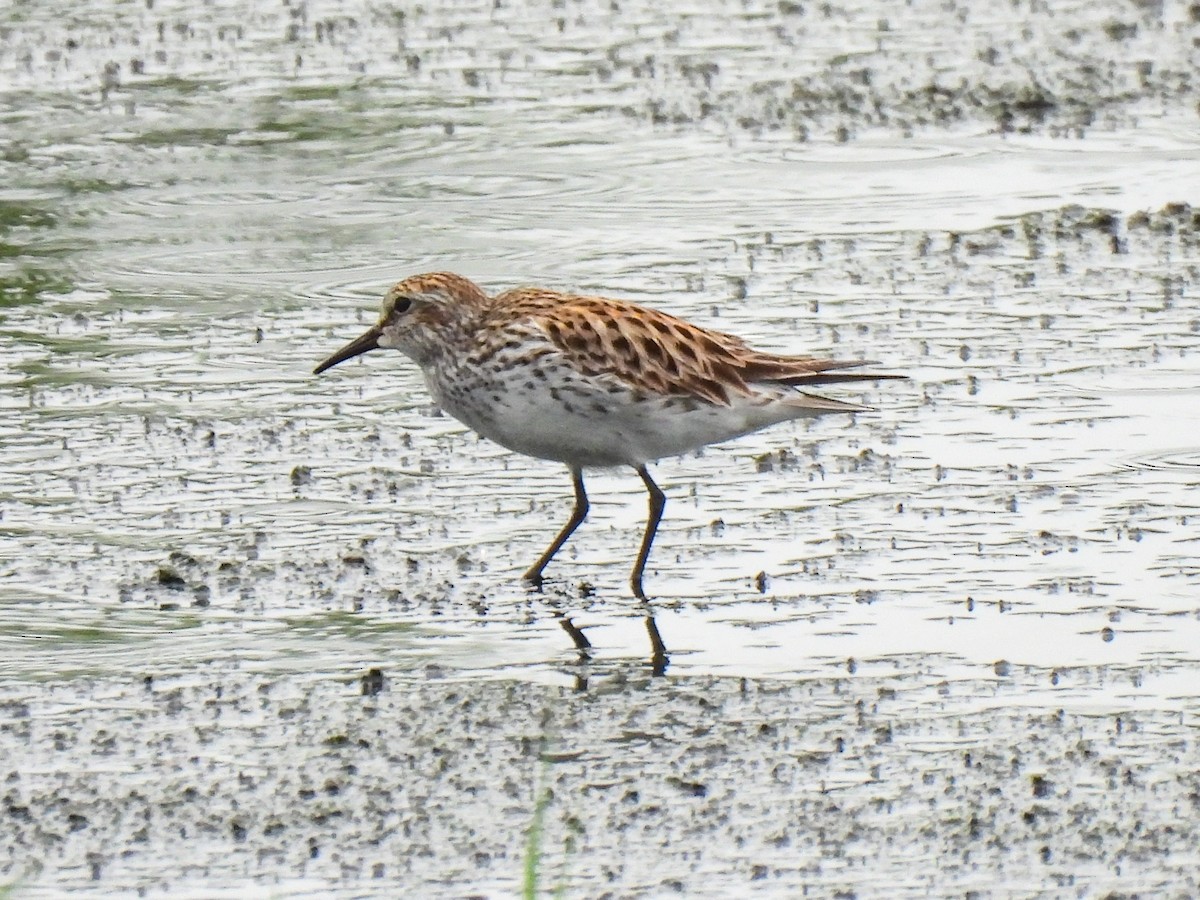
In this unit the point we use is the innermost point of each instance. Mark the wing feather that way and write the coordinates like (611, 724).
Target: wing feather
(652, 351)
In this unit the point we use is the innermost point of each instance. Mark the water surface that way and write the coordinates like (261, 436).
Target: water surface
(230, 590)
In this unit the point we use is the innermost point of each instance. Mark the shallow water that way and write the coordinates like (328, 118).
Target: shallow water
(193, 527)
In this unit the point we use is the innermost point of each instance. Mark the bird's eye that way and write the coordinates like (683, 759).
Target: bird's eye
(403, 305)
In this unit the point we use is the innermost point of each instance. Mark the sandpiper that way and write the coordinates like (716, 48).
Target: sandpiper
(590, 381)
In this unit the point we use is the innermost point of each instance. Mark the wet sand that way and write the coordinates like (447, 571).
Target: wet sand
(888, 779)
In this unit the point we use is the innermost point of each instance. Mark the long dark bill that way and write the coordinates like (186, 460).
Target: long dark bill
(357, 347)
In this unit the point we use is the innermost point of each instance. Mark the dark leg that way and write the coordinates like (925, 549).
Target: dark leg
(658, 501)
(578, 515)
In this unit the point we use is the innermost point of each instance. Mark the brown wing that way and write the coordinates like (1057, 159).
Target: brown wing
(659, 353)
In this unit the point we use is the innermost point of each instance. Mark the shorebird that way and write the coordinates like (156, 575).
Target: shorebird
(590, 381)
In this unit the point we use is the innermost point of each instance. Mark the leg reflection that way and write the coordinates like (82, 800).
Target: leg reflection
(582, 644)
(658, 650)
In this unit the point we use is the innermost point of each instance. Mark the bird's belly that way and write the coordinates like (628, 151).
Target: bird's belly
(550, 428)
(582, 424)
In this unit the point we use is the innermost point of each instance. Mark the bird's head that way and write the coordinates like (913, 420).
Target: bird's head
(419, 315)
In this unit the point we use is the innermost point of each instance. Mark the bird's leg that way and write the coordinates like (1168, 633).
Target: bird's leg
(658, 501)
(580, 512)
